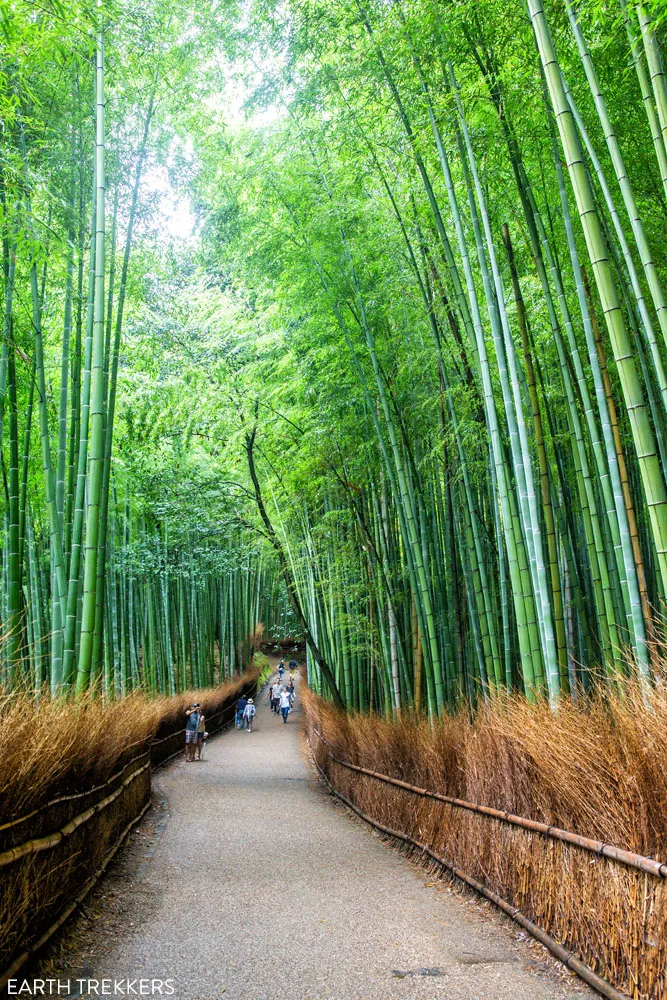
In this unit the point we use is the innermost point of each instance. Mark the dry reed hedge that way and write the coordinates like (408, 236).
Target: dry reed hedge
(57, 749)
(599, 770)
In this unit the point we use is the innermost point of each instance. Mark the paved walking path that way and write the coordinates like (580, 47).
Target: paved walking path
(260, 886)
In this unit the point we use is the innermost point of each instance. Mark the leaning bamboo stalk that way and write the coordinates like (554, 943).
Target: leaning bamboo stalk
(393, 461)
(610, 477)
(544, 257)
(65, 355)
(513, 408)
(522, 600)
(622, 466)
(655, 66)
(8, 310)
(643, 435)
(629, 200)
(476, 558)
(622, 591)
(81, 409)
(647, 95)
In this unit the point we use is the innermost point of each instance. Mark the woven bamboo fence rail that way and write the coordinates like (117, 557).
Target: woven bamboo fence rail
(51, 857)
(590, 964)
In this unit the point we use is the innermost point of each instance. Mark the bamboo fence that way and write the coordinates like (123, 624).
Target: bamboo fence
(51, 857)
(598, 908)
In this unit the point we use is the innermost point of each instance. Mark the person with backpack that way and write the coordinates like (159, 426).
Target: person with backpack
(249, 713)
(285, 703)
(192, 717)
(240, 709)
(292, 667)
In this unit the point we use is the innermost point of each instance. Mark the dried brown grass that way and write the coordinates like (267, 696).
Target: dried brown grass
(61, 747)
(598, 769)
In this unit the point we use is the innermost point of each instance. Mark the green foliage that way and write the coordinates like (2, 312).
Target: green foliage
(459, 431)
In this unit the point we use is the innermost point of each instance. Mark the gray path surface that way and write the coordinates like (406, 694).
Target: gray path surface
(257, 885)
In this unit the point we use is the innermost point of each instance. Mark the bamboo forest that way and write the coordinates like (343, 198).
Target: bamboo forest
(343, 321)
(333, 410)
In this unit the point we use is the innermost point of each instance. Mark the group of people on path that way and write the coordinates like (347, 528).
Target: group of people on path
(195, 733)
(281, 700)
(280, 697)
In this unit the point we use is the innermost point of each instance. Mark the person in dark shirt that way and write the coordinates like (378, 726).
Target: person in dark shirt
(240, 709)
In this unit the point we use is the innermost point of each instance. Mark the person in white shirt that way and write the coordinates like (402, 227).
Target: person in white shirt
(275, 697)
(285, 703)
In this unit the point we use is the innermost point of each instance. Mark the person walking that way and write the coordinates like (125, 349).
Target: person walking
(249, 713)
(275, 697)
(284, 703)
(292, 668)
(191, 728)
(201, 735)
(281, 669)
(240, 709)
